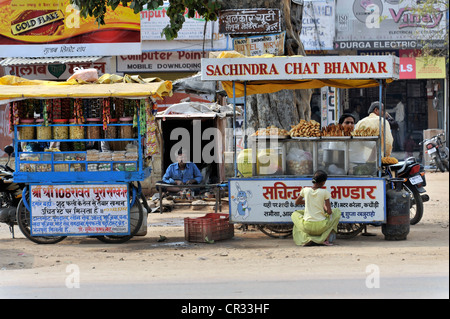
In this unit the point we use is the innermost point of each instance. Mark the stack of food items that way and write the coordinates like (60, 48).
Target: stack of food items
(305, 129)
(271, 131)
(389, 160)
(365, 131)
(336, 130)
(92, 156)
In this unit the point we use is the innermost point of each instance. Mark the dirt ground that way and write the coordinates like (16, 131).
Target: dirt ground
(250, 255)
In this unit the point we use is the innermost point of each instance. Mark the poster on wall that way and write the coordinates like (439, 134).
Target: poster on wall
(387, 25)
(273, 200)
(161, 61)
(5, 136)
(260, 44)
(57, 71)
(62, 210)
(247, 21)
(54, 28)
(318, 25)
(193, 36)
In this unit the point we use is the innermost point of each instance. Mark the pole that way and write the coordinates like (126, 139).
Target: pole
(380, 97)
(234, 129)
(245, 116)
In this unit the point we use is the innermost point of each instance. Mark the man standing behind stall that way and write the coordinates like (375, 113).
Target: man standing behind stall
(399, 110)
(372, 121)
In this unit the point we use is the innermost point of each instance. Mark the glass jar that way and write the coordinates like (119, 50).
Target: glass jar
(43, 132)
(76, 131)
(60, 132)
(126, 131)
(111, 130)
(93, 132)
(28, 132)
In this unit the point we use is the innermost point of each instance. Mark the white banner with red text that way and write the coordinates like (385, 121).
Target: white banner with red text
(300, 67)
(260, 200)
(79, 210)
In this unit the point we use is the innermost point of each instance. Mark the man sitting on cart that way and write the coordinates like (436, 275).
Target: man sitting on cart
(182, 173)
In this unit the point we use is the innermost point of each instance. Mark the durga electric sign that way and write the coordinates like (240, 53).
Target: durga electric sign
(297, 68)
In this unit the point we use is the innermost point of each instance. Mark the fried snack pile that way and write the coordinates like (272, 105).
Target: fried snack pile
(271, 131)
(365, 131)
(305, 129)
(336, 130)
(389, 160)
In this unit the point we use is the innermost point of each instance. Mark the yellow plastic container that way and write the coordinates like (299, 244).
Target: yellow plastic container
(244, 162)
(269, 162)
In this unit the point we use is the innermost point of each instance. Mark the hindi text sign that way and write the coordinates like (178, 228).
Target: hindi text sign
(79, 210)
(247, 21)
(260, 201)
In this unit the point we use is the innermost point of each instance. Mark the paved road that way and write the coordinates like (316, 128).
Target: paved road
(389, 287)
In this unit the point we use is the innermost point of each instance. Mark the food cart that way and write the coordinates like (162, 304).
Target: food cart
(278, 165)
(73, 188)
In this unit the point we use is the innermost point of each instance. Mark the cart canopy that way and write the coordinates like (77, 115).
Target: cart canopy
(14, 88)
(269, 74)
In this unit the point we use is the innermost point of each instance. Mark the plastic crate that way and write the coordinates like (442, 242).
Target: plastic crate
(212, 226)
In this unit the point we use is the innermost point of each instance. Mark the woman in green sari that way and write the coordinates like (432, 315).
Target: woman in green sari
(318, 222)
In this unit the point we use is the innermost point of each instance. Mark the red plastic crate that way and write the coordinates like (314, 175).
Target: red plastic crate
(212, 226)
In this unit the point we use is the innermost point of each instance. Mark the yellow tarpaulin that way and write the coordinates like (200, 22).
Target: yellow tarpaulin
(259, 87)
(15, 88)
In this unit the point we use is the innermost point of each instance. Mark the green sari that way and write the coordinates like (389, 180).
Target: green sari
(305, 232)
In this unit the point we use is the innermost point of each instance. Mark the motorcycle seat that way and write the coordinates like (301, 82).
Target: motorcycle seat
(400, 166)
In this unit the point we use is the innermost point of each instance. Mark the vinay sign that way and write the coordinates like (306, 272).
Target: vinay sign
(298, 68)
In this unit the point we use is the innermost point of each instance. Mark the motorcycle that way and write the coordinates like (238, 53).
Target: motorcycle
(438, 152)
(10, 193)
(414, 183)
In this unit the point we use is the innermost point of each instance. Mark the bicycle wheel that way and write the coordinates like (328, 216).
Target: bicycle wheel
(348, 230)
(276, 231)
(23, 220)
(136, 219)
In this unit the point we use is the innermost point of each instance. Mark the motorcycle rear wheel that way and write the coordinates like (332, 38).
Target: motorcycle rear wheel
(416, 204)
(23, 220)
(439, 165)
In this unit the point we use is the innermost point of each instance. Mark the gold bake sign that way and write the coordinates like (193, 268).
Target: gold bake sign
(54, 28)
(36, 22)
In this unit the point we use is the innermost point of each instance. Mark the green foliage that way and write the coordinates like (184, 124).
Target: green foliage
(207, 8)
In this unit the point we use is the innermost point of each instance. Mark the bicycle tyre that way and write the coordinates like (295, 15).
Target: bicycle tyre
(276, 231)
(23, 220)
(349, 230)
(135, 225)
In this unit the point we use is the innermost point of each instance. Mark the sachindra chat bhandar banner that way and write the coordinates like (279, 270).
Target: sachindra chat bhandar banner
(52, 28)
(272, 200)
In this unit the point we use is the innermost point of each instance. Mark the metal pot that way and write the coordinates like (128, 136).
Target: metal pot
(334, 156)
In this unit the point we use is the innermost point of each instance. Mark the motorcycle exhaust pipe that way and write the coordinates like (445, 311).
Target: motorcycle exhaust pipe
(8, 214)
(425, 198)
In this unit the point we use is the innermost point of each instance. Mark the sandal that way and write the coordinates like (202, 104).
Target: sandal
(327, 243)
